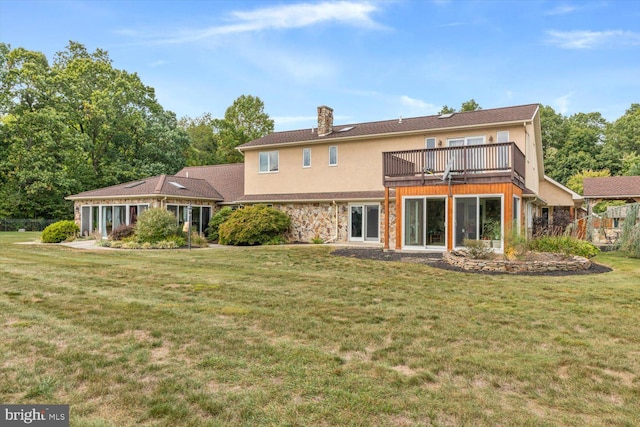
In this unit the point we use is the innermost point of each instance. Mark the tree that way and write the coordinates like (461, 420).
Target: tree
(554, 128)
(76, 125)
(621, 149)
(580, 150)
(446, 110)
(214, 141)
(470, 105)
(624, 133)
(203, 144)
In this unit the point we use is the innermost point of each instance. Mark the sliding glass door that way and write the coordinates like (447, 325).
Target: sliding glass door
(425, 223)
(479, 218)
(364, 223)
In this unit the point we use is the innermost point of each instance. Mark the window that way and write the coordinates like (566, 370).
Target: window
(474, 160)
(502, 136)
(333, 156)
(430, 158)
(268, 161)
(306, 157)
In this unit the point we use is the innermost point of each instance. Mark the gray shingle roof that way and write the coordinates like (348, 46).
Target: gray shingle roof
(415, 124)
(228, 180)
(612, 187)
(161, 185)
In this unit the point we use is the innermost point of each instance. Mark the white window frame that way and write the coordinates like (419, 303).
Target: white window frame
(364, 225)
(478, 218)
(333, 148)
(425, 235)
(269, 155)
(502, 136)
(306, 155)
(465, 140)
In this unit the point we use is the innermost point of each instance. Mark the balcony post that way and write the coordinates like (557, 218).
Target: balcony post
(386, 218)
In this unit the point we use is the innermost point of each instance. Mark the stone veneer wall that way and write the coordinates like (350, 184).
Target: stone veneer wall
(575, 263)
(311, 220)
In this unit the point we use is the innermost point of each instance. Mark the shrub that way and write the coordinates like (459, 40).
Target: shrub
(515, 244)
(155, 225)
(566, 245)
(122, 232)
(218, 219)
(254, 225)
(198, 240)
(59, 232)
(477, 249)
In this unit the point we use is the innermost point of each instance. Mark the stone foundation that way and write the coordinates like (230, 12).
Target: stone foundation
(458, 259)
(318, 220)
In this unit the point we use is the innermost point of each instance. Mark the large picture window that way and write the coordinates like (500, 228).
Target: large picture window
(268, 161)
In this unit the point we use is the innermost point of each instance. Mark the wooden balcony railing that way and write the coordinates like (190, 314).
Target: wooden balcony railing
(469, 162)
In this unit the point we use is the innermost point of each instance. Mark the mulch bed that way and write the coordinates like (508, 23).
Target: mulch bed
(435, 260)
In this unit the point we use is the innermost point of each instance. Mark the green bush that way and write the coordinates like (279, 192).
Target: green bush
(254, 225)
(218, 219)
(59, 232)
(566, 245)
(155, 225)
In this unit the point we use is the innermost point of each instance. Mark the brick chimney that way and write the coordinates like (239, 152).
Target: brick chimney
(325, 120)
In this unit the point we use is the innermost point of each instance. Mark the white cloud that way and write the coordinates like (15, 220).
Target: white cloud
(417, 106)
(562, 103)
(286, 16)
(591, 39)
(562, 9)
(157, 63)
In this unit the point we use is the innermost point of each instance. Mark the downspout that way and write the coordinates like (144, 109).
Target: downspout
(335, 237)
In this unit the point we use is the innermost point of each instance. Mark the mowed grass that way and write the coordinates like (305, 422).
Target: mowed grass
(296, 336)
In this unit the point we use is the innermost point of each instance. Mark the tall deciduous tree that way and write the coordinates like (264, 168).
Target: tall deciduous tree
(76, 125)
(215, 140)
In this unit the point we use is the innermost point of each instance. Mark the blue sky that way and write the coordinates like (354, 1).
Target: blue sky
(369, 60)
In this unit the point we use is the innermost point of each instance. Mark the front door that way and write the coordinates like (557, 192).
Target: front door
(364, 223)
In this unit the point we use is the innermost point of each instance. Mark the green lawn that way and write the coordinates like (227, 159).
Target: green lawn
(296, 336)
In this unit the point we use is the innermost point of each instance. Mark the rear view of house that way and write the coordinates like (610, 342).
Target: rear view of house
(427, 183)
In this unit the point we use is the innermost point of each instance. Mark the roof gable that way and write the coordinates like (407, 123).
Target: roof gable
(399, 126)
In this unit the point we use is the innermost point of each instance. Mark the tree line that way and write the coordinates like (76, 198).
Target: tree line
(78, 124)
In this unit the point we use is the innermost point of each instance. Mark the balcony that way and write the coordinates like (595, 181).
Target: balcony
(485, 163)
